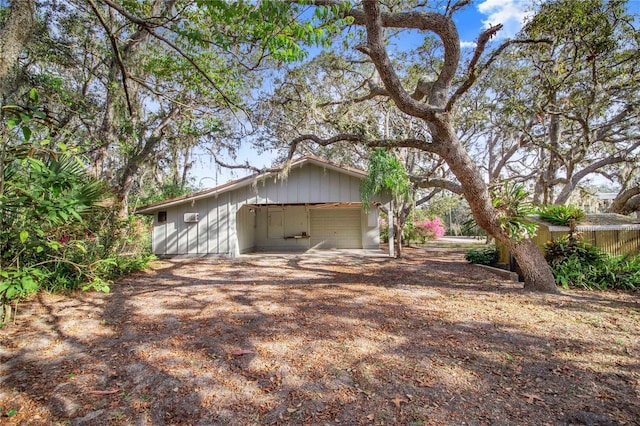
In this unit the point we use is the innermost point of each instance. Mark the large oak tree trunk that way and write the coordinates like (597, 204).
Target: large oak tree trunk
(626, 201)
(436, 115)
(534, 268)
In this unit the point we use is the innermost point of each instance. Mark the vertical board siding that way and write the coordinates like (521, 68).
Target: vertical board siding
(370, 232)
(183, 239)
(159, 236)
(304, 188)
(543, 235)
(334, 186)
(310, 184)
(245, 220)
(203, 226)
(295, 221)
(226, 226)
(324, 187)
(292, 189)
(172, 231)
(212, 229)
(355, 188)
(192, 236)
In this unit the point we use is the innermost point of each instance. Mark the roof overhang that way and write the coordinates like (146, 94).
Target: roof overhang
(249, 180)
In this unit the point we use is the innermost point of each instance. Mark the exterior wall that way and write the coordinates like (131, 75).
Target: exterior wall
(172, 232)
(370, 229)
(307, 184)
(277, 225)
(158, 236)
(227, 226)
(213, 233)
(615, 242)
(246, 221)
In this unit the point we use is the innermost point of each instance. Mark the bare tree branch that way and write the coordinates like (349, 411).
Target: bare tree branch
(447, 184)
(375, 21)
(148, 27)
(357, 138)
(591, 168)
(472, 72)
(626, 201)
(374, 92)
(428, 197)
(116, 51)
(451, 9)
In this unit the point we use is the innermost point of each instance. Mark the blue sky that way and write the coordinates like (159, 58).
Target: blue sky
(481, 14)
(470, 21)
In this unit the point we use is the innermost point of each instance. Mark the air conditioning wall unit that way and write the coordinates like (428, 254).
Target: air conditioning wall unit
(191, 217)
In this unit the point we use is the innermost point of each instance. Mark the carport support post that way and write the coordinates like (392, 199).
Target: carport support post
(391, 228)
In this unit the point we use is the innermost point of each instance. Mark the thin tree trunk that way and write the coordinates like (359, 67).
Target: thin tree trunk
(135, 161)
(397, 242)
(185, 167)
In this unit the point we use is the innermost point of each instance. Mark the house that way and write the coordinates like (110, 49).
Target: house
(315, 206)
(592, 202)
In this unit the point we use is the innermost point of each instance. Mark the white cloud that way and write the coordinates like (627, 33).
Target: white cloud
(510, 13)
(467, 44)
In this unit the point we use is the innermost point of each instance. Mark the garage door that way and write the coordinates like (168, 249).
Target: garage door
(335, 228)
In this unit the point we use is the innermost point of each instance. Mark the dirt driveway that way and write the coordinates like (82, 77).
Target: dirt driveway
(322, 341)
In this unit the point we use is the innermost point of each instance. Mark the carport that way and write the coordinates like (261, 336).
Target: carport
(316, 205)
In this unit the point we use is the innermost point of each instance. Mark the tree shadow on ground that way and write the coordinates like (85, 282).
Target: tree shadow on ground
(303, 340)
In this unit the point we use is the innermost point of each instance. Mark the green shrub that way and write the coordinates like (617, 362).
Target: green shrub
(513, 206)
(567, 246)
(619, 272)
(56, 229)
(483, 256)
(572, 272)
(561, 215)
(575, 263)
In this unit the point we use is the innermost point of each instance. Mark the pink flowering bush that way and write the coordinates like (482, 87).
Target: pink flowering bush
(432, 229)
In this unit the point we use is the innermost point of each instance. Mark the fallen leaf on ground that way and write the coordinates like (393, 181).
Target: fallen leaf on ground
(397, 401)
(531, 398)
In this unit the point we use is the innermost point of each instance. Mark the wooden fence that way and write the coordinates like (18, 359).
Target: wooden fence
(616, 240)
(612, 239)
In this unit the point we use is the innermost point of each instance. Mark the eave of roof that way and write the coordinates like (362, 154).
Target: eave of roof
(248, 180)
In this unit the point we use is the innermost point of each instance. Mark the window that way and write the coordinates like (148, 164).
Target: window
(162, 217)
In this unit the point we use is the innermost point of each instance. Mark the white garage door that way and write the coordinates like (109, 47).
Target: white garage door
(335, 228)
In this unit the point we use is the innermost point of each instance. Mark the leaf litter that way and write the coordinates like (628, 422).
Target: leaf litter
(317, 340)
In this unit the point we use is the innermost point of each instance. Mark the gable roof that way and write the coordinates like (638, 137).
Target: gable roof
(248, 180)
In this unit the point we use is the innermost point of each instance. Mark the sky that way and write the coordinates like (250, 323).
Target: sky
(470, 22)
